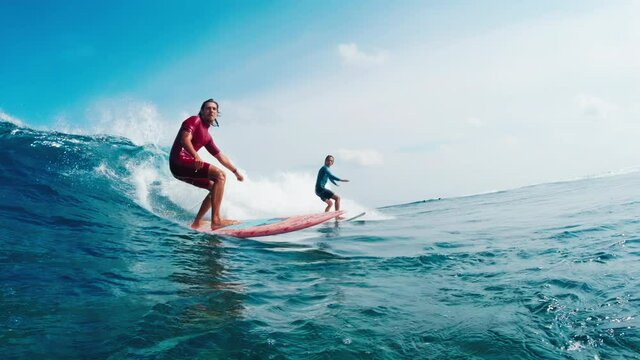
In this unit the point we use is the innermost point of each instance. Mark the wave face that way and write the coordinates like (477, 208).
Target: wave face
(96, 263)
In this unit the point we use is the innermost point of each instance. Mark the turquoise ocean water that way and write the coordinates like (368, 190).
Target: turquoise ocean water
(542, 272)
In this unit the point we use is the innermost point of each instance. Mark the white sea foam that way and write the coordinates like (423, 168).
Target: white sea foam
(280, 194)
(284, 194)
(138, 121)
(6, 117)
(142, 176)
(105, 171)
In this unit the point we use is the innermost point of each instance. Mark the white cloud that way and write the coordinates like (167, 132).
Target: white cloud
(351, 54)
(592, 106)
(363, 157)
(506, 115)
(475, 122)
(511, 140)
(454, 115)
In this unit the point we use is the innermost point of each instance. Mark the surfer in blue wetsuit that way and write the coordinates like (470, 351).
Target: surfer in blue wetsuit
(325, 194)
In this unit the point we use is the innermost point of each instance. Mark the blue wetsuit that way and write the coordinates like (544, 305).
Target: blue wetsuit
(323, 175)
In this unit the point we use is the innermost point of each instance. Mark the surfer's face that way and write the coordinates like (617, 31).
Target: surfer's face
(209, 112)
(328, 161)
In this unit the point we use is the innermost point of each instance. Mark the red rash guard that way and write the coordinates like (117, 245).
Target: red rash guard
(181, 163)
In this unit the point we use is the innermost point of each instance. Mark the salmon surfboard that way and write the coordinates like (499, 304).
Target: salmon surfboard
(273, 226)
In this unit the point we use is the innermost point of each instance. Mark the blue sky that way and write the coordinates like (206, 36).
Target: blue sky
(416, 99)
(67, 54)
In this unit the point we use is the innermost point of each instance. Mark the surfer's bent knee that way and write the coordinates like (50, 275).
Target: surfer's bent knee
(217, 175)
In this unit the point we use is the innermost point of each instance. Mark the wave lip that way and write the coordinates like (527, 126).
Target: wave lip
(94, 238)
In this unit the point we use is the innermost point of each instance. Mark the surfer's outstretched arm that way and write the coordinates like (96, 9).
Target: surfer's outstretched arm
(224, 160)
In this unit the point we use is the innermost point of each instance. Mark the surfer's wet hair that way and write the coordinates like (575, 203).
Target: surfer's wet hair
(208, 101)
(328, 157)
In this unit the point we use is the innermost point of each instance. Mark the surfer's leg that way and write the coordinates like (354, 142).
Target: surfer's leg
(185, 171)
(329, 205)
(337, 199)
(218, 178)
(217, 191)
(325, 195)
(204, 208)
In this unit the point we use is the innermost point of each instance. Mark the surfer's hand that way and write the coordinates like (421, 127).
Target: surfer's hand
(199, 162)
(238, 175)
(344, 180)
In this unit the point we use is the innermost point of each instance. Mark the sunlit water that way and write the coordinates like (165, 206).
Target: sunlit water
(95, 265)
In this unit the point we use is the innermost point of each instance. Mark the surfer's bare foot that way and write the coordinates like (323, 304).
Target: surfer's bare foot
(340, 217)
(198, 224)
(223, 223)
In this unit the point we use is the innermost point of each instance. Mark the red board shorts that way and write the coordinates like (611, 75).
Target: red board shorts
(186, 171)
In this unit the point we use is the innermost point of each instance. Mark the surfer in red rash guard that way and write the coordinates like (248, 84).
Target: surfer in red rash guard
(186, 165)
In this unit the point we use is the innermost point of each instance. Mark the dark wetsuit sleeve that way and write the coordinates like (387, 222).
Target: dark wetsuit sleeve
(212, 148)
(332, 177)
